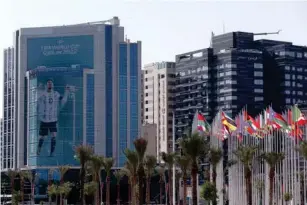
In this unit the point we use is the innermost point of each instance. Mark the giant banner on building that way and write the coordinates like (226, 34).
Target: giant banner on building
(56, 93)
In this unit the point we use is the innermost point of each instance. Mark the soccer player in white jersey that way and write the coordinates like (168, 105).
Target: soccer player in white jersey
(49, 103)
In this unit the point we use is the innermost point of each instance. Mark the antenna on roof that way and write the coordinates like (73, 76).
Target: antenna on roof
(212, 34)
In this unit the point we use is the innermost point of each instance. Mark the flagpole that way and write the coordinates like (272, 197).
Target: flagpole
(174, 169)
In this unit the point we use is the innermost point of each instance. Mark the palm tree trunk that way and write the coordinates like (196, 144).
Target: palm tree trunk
(118, 194)
(248, 184)
(161, 188)
(129, 192)
(148, 190)
(214, 202)
(22, 191)
(108, 191)
(140, 187)
(194, 183)
(271, 179)
(82, 176)
(184, 190)
(170, 185)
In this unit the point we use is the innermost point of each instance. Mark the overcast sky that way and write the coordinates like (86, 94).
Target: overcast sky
(166, 28)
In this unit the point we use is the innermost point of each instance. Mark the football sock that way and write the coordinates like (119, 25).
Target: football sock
(53, 143)
(40, 144)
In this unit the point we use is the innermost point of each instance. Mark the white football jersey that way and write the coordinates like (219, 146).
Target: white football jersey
(48, 106)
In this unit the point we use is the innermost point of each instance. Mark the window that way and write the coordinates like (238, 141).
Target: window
(287, 83)
(299, 93)
(288, 100)
(221, 83)
(287, 67)
(290, 53)
(258, 90)
(287, 92)
(221, 74)
(293, 68)
(258, 73)
(258, 65)
(293, 92)
(293, 84)
(231, 73)
(293, 77)
(258, 99)
(287, 76)
(299, 55)
(299, 85)
(231, 97)
(258, 82)
(222, 98)
(305, 54)
(299, 69)
(230, 82)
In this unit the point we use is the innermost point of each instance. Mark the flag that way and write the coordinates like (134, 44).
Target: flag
(297, 116)
(202, 124)
(228, 122)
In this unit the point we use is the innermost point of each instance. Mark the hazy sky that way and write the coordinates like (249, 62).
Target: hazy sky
(166, 28)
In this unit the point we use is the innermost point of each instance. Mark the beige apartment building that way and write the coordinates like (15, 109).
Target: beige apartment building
(158, 82)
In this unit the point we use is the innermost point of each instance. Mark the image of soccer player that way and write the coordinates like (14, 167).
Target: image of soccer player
(49, 103)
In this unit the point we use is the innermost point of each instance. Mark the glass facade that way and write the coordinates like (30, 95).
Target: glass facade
(55, 116)
(90, 105)
(133, 92)
(109, 90)
(123, 90)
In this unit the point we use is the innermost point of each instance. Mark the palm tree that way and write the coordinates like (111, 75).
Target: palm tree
(245, 155)
(96, 163)
(65, 189)
(53, 190)
(161, 171)
(118, 175)
(27, 175)
(185, 164)
(140, 145)
(215, 156)
(130, 170)
(62, 170)
(272, 159)
(108, 164)
(150, 164)
(178, 177)
(83, 153)
(287, 197)
(194, 147)
(302, 149)
(16, 197)
(90, 188)
(169, 159)
(22, 182)
(259, 185)
(12, 175)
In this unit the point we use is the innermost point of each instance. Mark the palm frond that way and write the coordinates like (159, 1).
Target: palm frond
(108, 164)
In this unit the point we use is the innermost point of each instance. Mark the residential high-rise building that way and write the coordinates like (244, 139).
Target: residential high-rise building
(9, 135)
(159, 81)
(236, 72)
(149, 132)
(71, 85)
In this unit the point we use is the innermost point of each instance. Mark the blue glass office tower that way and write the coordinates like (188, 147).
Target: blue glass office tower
(98, 73)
